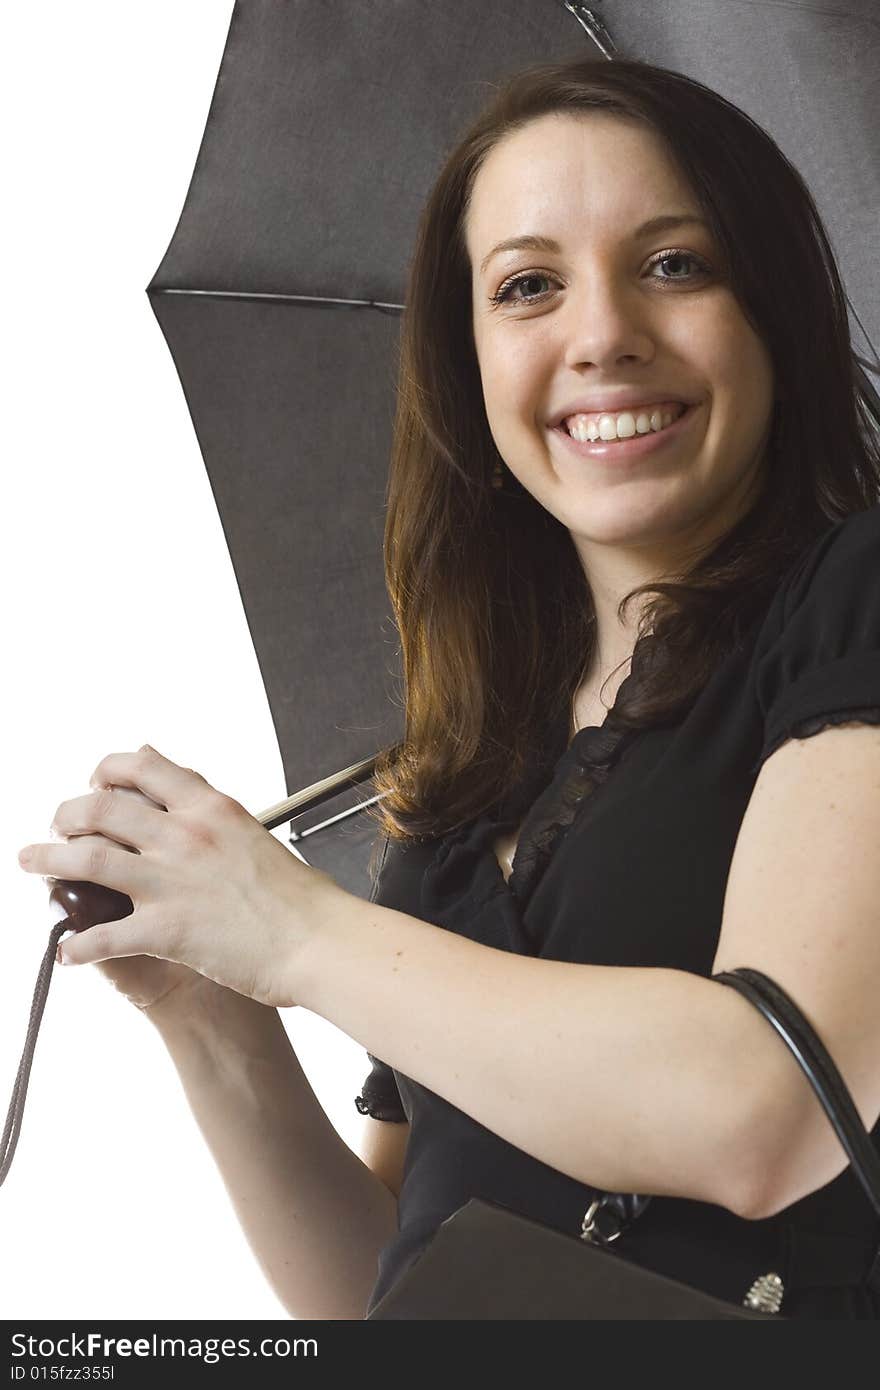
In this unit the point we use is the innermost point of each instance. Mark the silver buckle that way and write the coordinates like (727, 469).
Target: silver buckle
(590, 1231)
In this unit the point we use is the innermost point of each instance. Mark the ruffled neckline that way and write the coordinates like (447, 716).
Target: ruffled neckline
(582, 767)
(464, 877)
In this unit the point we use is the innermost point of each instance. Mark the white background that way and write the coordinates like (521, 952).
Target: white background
(113, 1207)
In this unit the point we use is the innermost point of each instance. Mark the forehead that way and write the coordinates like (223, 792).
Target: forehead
(573, 176)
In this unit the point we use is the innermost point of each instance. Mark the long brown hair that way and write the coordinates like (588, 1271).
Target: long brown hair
(478, 578)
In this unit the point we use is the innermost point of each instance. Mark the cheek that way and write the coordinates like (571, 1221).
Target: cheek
(739, 375)
(514, 353)
(512, 393)
(503, 411)
(738, 361)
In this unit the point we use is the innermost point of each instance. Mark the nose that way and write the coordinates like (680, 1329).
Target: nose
(604, 324)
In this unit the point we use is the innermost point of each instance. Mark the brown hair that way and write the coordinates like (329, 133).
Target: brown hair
(478, 578)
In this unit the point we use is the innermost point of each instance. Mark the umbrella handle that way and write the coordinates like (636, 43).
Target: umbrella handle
(82, 905)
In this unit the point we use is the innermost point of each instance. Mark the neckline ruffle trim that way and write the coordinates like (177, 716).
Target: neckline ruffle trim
(464, 877)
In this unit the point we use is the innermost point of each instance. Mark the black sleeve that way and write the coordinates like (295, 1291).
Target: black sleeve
(821, 665)
(379, 1095)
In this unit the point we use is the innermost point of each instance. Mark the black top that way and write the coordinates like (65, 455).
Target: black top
(635, 874)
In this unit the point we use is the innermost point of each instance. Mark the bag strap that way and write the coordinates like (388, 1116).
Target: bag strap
(815, 1062)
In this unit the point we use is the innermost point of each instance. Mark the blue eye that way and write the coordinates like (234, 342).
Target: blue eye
(515, 280)
(674, 255)
(504, 293)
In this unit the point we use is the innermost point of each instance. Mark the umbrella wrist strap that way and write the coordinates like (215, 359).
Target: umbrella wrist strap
(12, 1127)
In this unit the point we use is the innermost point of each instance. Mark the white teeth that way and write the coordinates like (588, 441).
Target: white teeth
(622, 426)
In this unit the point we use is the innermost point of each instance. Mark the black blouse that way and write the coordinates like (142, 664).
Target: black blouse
(631, 868)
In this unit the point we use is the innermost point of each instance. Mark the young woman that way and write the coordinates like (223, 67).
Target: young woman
(632, 545)
(613, 250)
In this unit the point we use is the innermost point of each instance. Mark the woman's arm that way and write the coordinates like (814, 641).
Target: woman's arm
(652, 1080)
(313, 1213)
(633, 1080)
(803, 906)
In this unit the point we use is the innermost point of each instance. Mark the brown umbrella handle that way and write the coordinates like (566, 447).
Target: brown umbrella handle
(84, 905)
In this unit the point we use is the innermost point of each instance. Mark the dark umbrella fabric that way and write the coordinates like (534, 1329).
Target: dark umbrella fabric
(281, 292)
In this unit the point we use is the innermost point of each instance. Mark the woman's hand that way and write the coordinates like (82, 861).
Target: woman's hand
(212, 888)
(147, 980)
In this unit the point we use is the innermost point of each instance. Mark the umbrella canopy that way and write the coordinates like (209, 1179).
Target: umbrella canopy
(281, 292)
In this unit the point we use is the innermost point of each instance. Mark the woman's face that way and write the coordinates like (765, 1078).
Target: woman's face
(594, 323)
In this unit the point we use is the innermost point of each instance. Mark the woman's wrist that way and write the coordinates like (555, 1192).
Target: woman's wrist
(200, 1006)
(325, 915)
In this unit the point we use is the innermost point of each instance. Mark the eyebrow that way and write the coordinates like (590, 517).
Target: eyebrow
(666, 222)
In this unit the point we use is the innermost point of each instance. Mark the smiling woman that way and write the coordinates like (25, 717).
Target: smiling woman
(605, 237)
(626, 375)
(612, 343)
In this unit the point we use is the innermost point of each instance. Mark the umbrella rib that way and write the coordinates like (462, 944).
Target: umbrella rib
(593, 26)
(319, 300)
(333, 820)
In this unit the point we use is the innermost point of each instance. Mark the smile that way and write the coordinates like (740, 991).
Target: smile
(626, 423)
(607, 446)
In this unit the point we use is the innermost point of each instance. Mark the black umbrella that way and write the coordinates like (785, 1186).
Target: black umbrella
(280, 294)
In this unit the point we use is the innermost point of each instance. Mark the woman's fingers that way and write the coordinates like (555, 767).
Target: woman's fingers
(165, 782)
(136, 935)
(122, 814)
(90, 859)
(211, 889)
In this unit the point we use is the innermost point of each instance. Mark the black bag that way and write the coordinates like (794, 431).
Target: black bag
(486, 1262)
